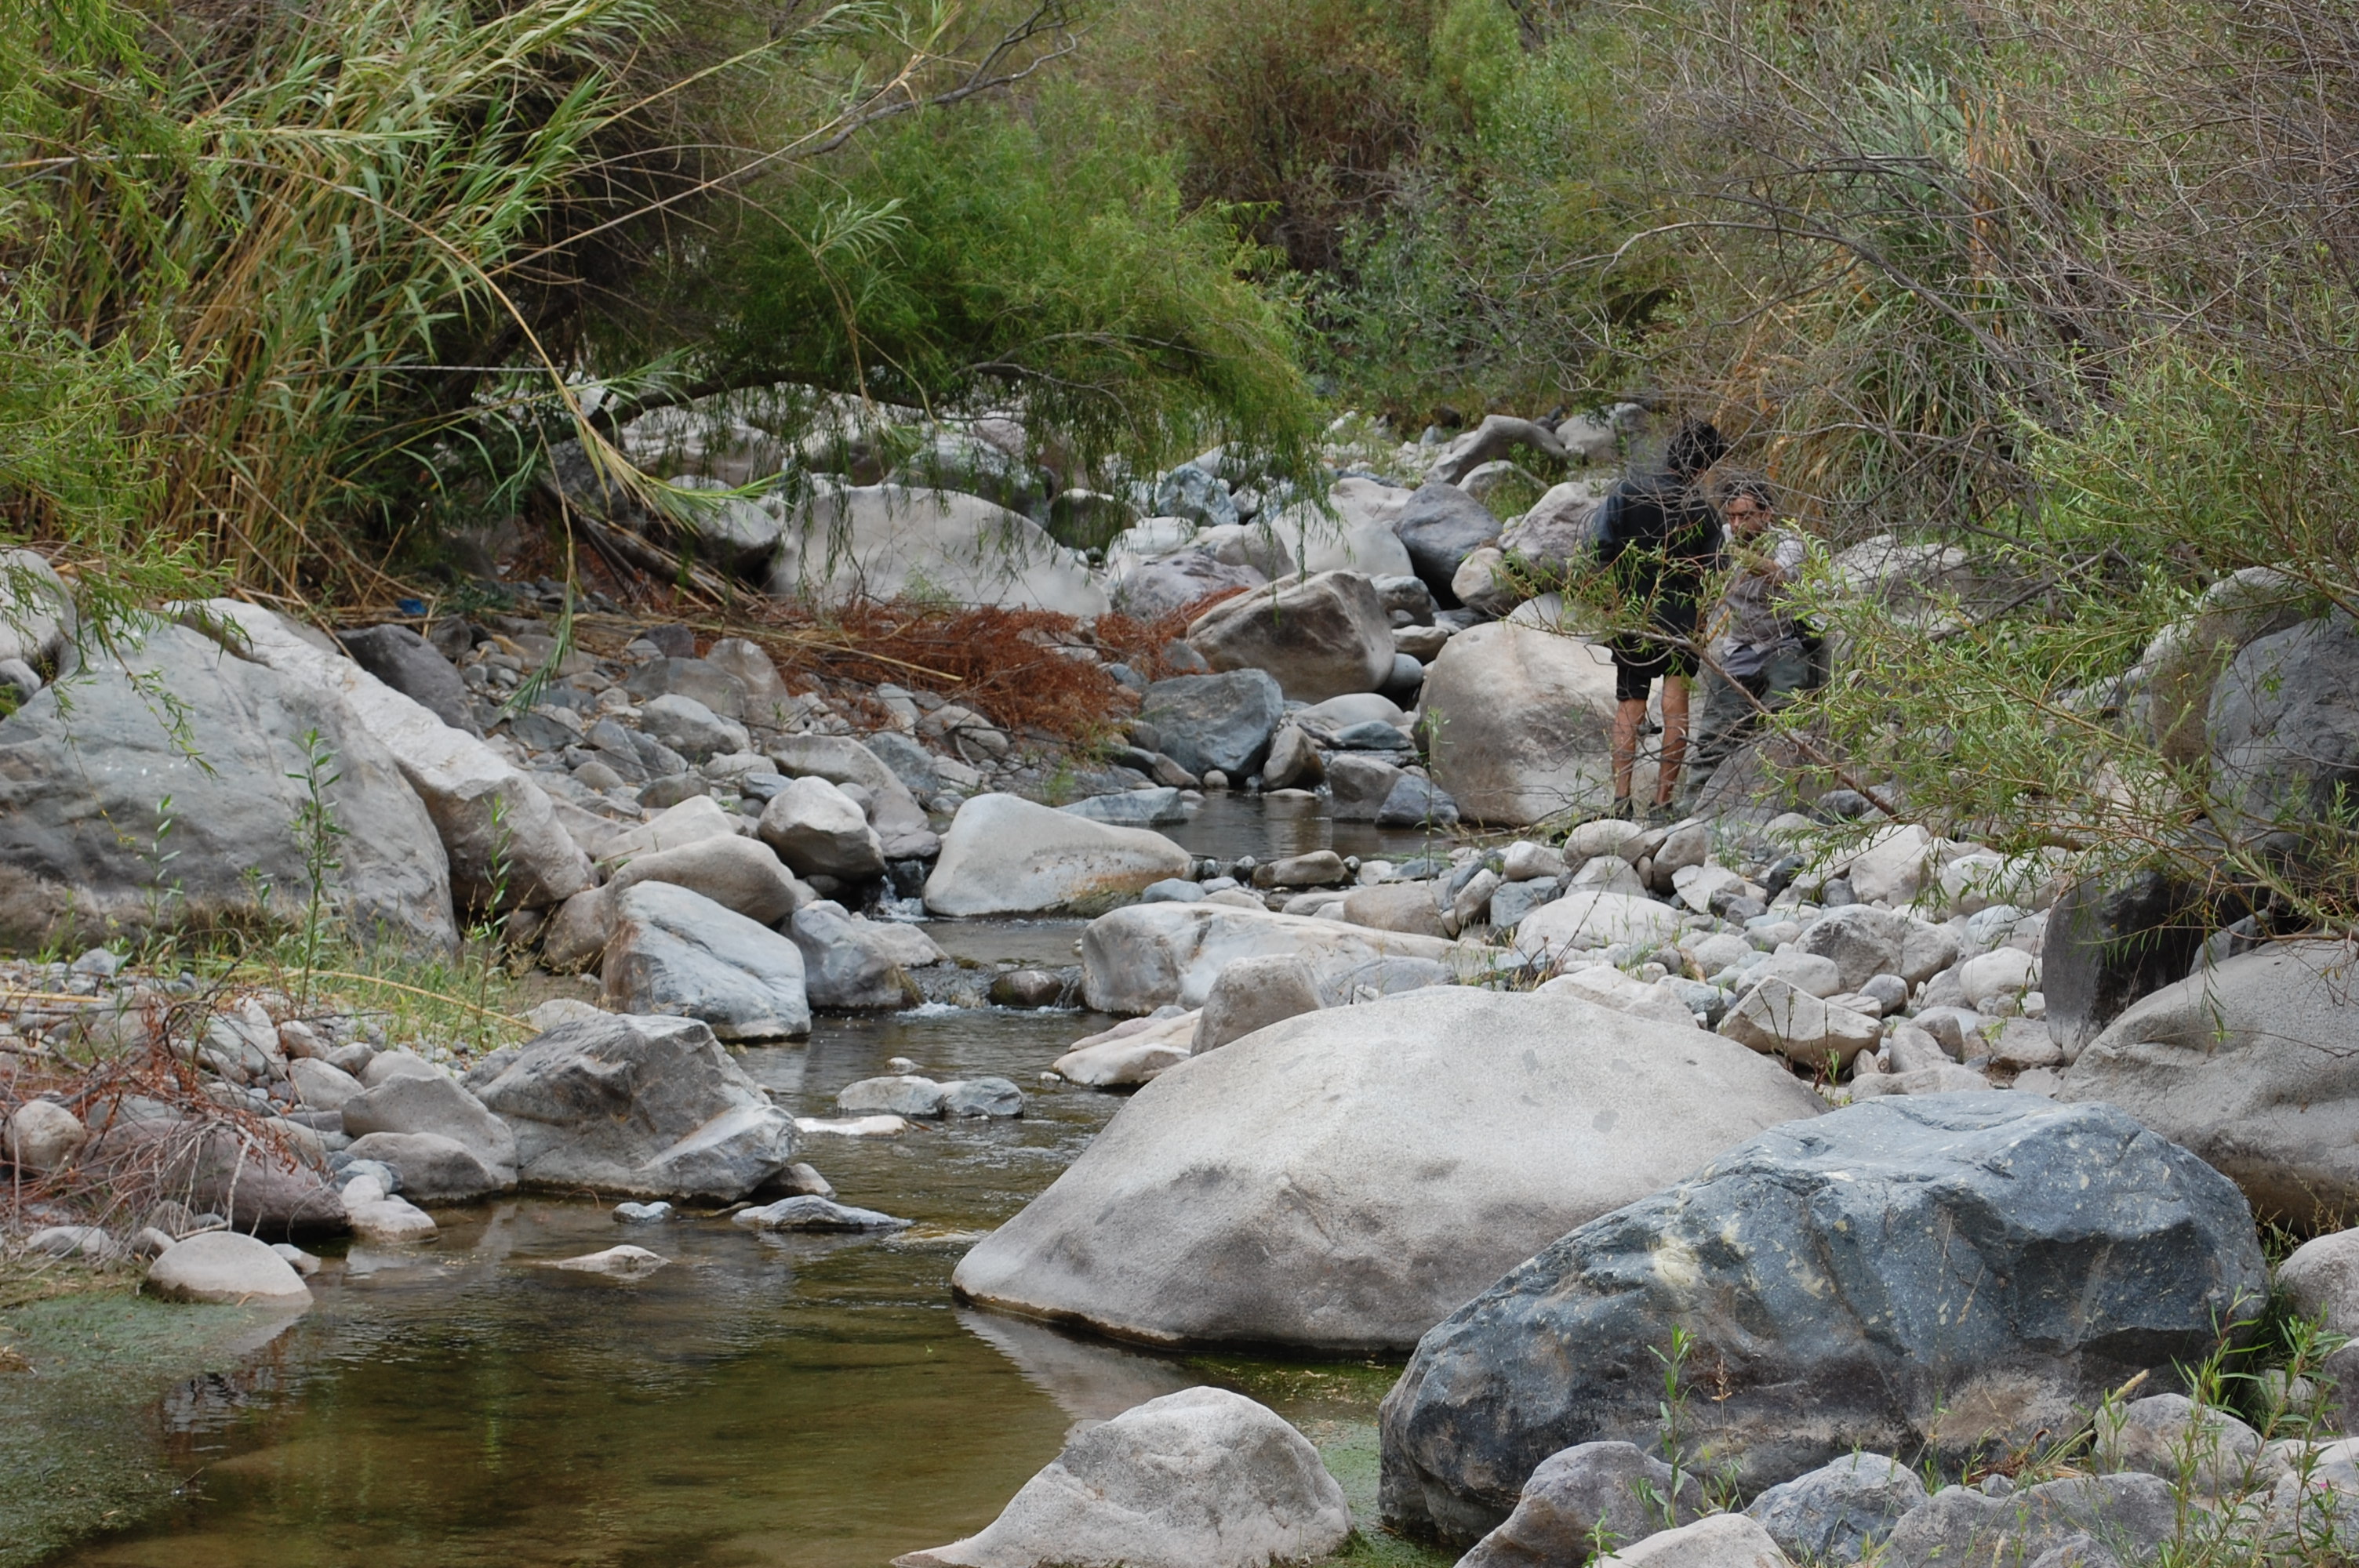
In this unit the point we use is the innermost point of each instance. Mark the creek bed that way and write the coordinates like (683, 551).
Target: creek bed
(796, 1402)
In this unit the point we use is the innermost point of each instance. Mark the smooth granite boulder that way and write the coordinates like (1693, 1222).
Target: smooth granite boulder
(1951, 1269)
(1223, 721)
(2254, 1065)
(677, 952)
(1152, 955)
(642, 1107)
(1340, 1181)
(1005, 855)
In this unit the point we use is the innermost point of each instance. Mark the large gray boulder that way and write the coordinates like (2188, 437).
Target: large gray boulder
(439, 1106)
(263, 1179)
(899, 820)
(1223, 721)
(1005, 855)
(1946, 1270)
(678, 953)
(1440, 527)
(1353, 533)
(1592, 1495)
(221, 1265)
(1497, 435)
(499, 832)
(2254, 1065)
(639, 1107)
(89, 843)
(1254, 993)
(1151, 955)
(414, 667)
(2108, 943)
(1203, 1478)
(1340, 1181)
(2284, 727)
(1517, 722)
(1321, 637)
(1864, 942)
(888, 541)
(818, 831)
(432, 1168)
(1150, 589)
(848, 964)
(2175, 675)
(741, 874)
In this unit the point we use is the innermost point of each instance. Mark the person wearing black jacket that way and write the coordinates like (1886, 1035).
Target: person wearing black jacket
(1658, 542)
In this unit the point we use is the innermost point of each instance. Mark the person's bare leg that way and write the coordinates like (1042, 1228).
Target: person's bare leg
(1675, 738)
(1627, 718)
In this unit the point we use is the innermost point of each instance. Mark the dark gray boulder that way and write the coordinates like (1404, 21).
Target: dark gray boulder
(2254, 1065)
(414, 667)
(640, 1107)
(2128, 1515)
(1440, 527)
(2284, 729)
(87, 764)
(1592, 1497)
(2108, 944)
(1840, 1509)
(1220, 722)
(1945, 1269)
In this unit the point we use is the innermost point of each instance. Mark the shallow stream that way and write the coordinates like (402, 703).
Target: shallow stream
(802, 1402)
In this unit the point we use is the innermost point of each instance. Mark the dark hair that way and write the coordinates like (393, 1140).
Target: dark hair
(1694, 447)
(1756, 491)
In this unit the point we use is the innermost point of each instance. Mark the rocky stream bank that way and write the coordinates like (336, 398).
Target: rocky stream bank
(1787, 1182)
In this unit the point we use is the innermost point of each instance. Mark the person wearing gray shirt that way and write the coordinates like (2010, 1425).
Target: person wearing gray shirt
(1759, 648)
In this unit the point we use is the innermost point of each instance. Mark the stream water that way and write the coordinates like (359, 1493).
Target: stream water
(802, 1402)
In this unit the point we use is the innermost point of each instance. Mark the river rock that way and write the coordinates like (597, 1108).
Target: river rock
(1253, 994)
(849, 964)
(267, 1180)
(690, 821)
(995, 1097)
(1834, 1514)
(414, 667)
(1223, 721)
(2180, 667)
(1005, 855)
(899, 820)
(434, 1168)
(1589, 918)
(44, 1136)
(818, 831)
(2322, 1280)
(901, 1094)
(36, 609)
(1439, 526)
(1593, 1495)
(1150, 955)
(1340, 1180)
(1865, 942)
(2129, 1515)
(1953, 1270)
(392, 1219)
(887, 541)
(1133, 807)
(1150, 589)
(1604, 986)
(1517, 723)
(1892, 867)
(226, 1267)
(1722, 1540)
(1203, 1478)
(644, 1107)
(319, 1084)
(2250, 1065)
(810, 1212)
(1407, 907)
(1353, 534)
(2109, 943)
(677, 952)
(1132, 1052)
(86, 763)
(1319, 637)
(624, 1262)
(438, 1106)
(1775, 1016)
(741, 874)
(498, 830)
(2283, 730)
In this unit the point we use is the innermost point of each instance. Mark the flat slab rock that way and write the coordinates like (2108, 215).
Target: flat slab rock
(810, 1213)
(1203, 1478)
(1953, 1270)
(1342, 1179)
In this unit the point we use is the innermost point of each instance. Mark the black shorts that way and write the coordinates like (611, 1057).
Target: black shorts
(1639, 661)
